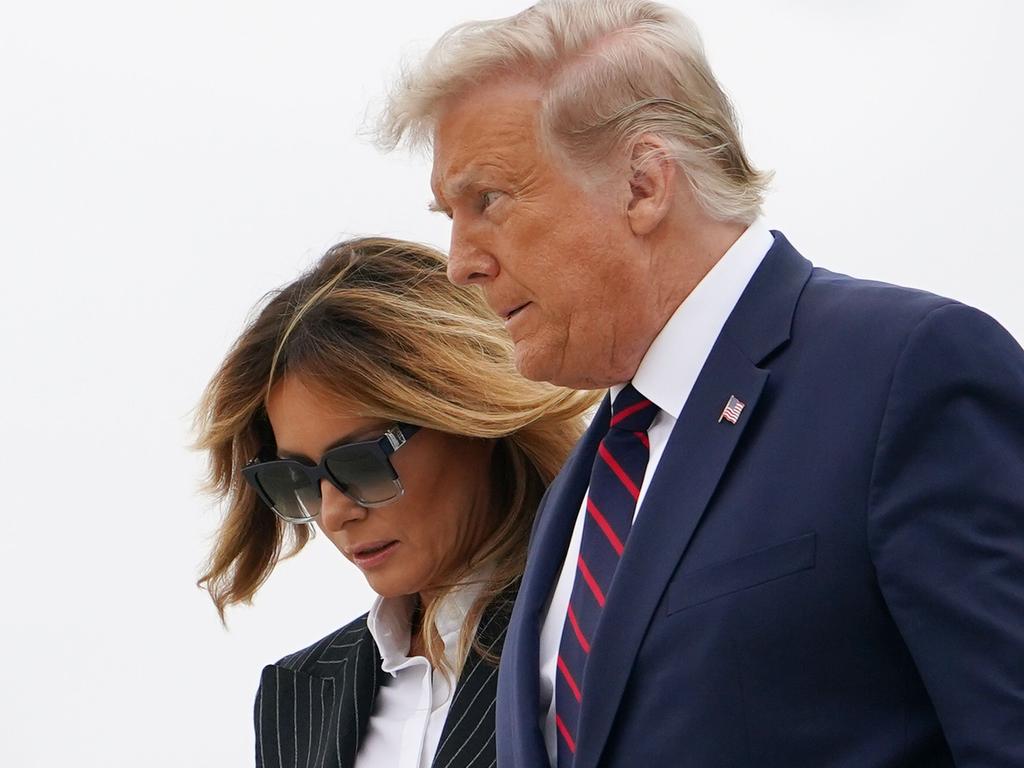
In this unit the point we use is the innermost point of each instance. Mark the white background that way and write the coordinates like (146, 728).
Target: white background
(162, 165)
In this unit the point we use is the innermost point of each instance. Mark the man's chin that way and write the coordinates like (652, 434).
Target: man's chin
(537, 363)
(553, 365)
(548, 363)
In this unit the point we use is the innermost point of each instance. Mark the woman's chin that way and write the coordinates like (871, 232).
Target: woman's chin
(390, 587)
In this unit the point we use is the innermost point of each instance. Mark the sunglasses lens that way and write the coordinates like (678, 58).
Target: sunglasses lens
(364, 472)
(294, 497)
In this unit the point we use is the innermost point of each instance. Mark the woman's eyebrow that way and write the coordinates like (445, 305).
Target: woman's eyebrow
(356, 436)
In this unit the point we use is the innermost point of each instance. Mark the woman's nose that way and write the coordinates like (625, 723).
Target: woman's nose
(337, 509)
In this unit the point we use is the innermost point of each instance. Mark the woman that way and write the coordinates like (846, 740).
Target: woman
(374, 399)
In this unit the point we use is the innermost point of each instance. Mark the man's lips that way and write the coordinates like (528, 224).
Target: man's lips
(510, 313)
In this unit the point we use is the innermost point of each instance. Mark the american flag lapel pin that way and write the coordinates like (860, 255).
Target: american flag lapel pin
(732, 410)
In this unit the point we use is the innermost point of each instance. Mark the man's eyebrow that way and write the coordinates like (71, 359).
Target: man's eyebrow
(452, 189)
(456, 186)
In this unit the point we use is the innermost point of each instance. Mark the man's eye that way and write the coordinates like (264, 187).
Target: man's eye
(487, 199)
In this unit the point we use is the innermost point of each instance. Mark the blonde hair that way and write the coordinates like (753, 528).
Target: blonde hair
(612, 71)
(376, 324)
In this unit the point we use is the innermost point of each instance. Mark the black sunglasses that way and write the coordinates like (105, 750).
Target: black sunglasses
(362, 471)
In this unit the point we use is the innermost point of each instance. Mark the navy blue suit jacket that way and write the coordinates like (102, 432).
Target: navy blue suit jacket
(835, 580)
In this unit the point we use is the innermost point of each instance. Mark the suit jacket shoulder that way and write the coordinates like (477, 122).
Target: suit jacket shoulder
(849, 300)
(323, 657)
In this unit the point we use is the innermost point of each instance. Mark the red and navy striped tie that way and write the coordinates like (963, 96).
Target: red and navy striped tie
(615, 484)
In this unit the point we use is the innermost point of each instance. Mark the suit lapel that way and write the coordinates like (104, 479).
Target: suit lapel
(467, 739)
(694, 460)
(519, 691)
(316, 718)
(363, 677)
(557, 513)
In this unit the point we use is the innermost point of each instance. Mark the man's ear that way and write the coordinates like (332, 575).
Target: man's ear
(653, 183)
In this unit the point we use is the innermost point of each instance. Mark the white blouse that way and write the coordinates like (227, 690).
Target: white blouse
(409, 712)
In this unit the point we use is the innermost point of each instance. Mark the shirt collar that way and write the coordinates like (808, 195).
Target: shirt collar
(390, 622)
(673, 362)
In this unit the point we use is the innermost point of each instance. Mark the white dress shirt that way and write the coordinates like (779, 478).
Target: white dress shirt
(409, 712)
(666, 376)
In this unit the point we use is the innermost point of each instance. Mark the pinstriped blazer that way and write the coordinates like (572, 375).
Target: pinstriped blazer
(313, 707)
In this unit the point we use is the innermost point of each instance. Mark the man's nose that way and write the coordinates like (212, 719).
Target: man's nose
(337, 509)
(468, 262)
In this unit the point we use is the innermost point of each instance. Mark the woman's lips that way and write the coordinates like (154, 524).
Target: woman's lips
(373, 555)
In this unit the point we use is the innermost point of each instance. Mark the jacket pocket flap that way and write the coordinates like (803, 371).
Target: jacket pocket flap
(758, 567)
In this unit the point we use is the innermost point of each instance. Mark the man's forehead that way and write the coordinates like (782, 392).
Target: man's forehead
(480, 132)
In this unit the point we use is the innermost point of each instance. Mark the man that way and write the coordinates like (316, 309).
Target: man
(797, 536)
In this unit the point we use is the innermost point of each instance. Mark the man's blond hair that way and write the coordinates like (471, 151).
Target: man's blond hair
(612, 72)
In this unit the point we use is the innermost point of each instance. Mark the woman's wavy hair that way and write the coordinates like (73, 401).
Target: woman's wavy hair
(376, 324)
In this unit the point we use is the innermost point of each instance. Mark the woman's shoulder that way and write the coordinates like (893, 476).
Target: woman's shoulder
(329, 652)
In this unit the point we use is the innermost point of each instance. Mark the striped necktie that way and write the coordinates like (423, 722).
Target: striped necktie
(615, 482)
